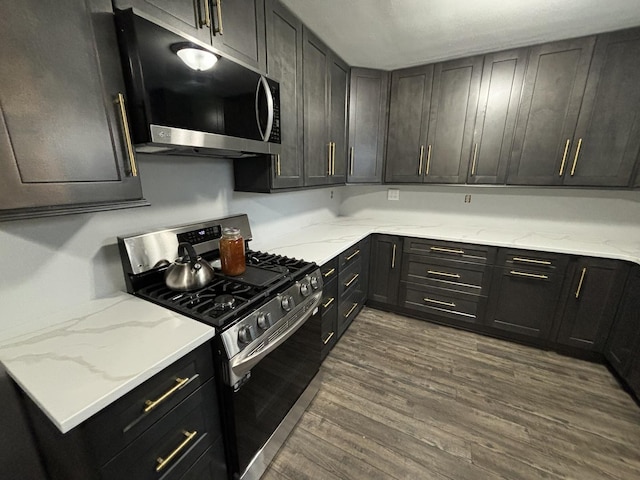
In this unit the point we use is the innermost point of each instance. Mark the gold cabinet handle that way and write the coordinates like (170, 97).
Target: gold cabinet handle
(426, 172)
(357, 252)
(127, 135)
(329, 273)
(447, 250)
(278, 172)
(584, 272)
(333, 158)
(328, 302)
(351, 161)
(443, 274)
(421, 159)
(207, 14)
(329, 159)
(151, 404)
(163, 462)
(528, 275)
(219, 9)
(575, 159)
(355, 305)
(439, 302)
(564, 156)
(353, 279)
(393, 257)
(325, 341)
(473, 163)
(531, 260)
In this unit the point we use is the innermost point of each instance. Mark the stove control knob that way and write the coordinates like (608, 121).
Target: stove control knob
(305, 290)
(264, 320)
(287, 303)
(314, 282)
(246, 333)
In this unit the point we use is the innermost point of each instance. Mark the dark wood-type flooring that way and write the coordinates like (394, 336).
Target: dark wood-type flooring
(406, 399)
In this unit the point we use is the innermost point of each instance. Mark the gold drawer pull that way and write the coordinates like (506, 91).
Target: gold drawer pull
(426, 171)
(357, 252)
(329, 302)
(278, 171)
(127, 135)
(351, 161)
(444, 274)
(475, 156)
(421, 159)
(529, 275)
(575, 159)
(151, 404)
(393, 257)
(324, 342)
(448, 250)
(531, 260)
(163, 462)
(439, 302)
(355, 305)
(564, 156)
(584, 272)
(219, 8)
(353, 279)
(329, 273)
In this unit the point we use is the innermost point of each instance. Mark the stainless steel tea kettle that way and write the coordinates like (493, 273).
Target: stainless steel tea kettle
(189, 271)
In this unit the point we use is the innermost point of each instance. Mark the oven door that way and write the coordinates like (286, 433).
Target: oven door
(274, 385)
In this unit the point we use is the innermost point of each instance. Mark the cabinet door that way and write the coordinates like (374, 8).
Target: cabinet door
(61, 134)
(454, 102)
(553, 87)
(607, 138)
(502, 77)
(317, 150)
(368, 98)
(384, 268)
(592, 299)
(338, 80)
(625, 333)
(238, 30)
(284, 64)
(408, 121)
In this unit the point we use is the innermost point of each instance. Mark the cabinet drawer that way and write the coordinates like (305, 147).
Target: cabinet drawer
(348, 309)
(530, 260)
(329, 333)
(350, 255)
(349, 279)
(461, 252)
(444, 273)
(171, 446)
(329, 295)
(442, 303)
(119, 424)
(211, 465)
(329, 270)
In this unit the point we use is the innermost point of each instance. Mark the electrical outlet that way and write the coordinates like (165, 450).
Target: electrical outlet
(467, 198)
(393, 194)
(331, 193)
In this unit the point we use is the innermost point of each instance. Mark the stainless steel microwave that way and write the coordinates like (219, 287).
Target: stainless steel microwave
(183, 97)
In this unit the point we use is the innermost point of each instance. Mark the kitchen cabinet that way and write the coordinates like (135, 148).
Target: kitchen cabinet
(623, 343)
(64, 145)
(161, 429)
(368, 99)
(353, 278)
(525, 292)
(384, 269)
(325, 102)
(409, 105)
(329, 308)
(554, 84)
(235, 28)
(502, 78)
(592, 296)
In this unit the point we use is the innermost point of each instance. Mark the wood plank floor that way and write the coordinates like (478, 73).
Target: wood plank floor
(405, 399)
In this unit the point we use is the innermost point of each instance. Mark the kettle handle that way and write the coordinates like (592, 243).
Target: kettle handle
(185, 248)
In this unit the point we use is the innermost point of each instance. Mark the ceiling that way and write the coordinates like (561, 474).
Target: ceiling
(388, 34)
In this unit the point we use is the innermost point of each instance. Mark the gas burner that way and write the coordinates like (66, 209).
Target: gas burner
(224, 302)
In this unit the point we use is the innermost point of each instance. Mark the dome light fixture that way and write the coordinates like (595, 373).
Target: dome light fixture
(194, 56)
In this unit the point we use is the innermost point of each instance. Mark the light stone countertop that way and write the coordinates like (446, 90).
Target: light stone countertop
(75, 363)
(320, 242)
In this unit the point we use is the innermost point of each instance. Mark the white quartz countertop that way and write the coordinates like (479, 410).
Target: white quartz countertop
(75, 363)
(321, 241)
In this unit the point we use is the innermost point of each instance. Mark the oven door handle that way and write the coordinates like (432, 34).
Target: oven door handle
(242, 363)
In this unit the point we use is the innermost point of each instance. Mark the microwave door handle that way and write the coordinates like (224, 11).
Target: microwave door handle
(262, 83)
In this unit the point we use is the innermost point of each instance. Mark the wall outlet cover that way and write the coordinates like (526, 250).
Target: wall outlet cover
(393, 194)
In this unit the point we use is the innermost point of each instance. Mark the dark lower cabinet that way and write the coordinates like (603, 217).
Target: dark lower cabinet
(592, 294)
(329, 307)
(384, 269)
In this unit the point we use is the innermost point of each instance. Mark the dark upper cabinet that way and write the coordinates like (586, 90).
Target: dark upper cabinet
(607, 138)
(592, 295)
(624, 340)
(551, 96)
(284, 64)
(325, 79)
(384, 269)
(63, 144)
(502, 77)
(409, 106)
(234, 27)
(368, 98)
(454, 102)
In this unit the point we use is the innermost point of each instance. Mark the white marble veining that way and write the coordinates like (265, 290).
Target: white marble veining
(323, 240)
(74, 363)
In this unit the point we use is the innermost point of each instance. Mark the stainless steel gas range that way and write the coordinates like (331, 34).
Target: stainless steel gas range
(268, 342)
